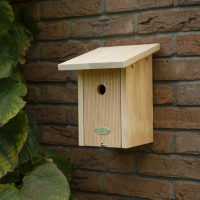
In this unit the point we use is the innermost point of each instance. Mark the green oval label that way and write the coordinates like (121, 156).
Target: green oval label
(102, 130)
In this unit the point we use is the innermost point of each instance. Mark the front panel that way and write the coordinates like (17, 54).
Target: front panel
(102, 107)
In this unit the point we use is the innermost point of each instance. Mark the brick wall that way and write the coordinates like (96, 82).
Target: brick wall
(169, 168)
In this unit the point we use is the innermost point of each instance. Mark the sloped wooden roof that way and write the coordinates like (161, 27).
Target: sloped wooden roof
(110, 57)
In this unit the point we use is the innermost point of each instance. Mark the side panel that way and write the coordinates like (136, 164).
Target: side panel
(102, 110)
(123, 108)
(139, 102)
(80, 107)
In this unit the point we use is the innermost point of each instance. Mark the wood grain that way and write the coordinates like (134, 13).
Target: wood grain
(80, 108)
(123, 108)
(102, 110)
(139, 103)
(110, 57)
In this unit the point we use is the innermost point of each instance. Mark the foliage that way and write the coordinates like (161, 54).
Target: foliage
(31, 144)
(27, 171)
(10, 98)
(45, 182)
(12, 137)
(60, 160)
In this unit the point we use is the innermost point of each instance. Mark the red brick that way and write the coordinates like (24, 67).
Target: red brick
(74, 116)
(63, 52)
(32, 54)
(162, 94)
(112, 6)
(59, 136)
(188, 94)
(34, 10)
(32, 96)
(161, 144)
(176, 70)
(184, 191)
(54, 31)
(43, 73)
(71, 8)
(177, 118)
(74, 75)
(101, 161)
(165, 44)
(85, 181)
(56, 94)
(188, 2)
(188, 45)
(168, 167)
(103, 27)
(188, 143)
(88, 197)
(135, 187)
(48, 114)
(186, 20)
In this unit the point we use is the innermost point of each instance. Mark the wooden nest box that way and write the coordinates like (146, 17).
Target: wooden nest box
(115, 95)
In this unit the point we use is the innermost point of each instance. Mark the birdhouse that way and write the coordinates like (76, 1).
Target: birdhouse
(115, 95)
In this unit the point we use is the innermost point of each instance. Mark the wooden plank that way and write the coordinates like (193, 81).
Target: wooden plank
(123, 108)
(139, 102)
(102, 110)
(110, 57)
(80, 108)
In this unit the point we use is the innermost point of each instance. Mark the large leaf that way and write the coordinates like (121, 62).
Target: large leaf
(31, 147)
(12, 137)
(45, 182)
(6, 16)
(10, 98)
(13, 47)
(7, 62)
(24, 18)
(62, 161)
(19, 41)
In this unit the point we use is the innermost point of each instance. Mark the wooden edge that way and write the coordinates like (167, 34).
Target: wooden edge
(103, 65)
(151, 58)
(123, 108)
(80, 108)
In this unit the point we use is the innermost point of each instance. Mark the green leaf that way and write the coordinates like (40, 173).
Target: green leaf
(29, 166)
(24, 18)
(7, 62)
(72, 197)
(19, 41)
(26, 168)
(22, 79)
(10, 98)
(15, 77)
(6, 16)
(12, 137)
(45, 182)
(32, 144)
(13, 47)
(62, 161)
